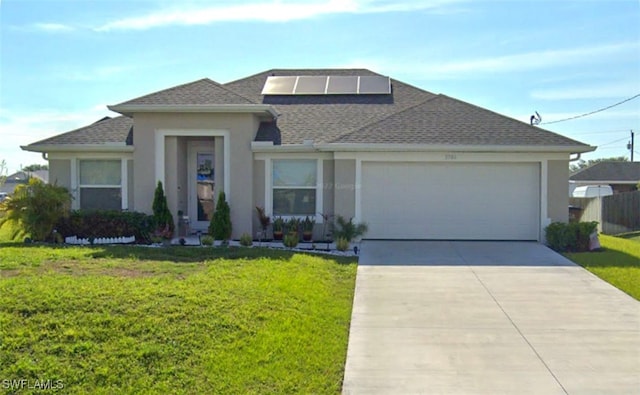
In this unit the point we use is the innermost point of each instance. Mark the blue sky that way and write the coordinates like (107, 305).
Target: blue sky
(62, 62)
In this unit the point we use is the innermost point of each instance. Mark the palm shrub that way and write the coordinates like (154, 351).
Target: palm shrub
(161, 214)
(347, 230)
(37, 206)
(220, 225)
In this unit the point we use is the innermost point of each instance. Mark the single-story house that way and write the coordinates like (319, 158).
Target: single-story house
(22, 177)
(410, 163)
(621, 176)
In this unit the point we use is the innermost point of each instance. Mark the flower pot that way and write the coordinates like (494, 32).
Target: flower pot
(307, 236)
(277, 235)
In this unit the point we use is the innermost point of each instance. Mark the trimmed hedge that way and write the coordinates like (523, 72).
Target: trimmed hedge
(571, 237)
(102, 223)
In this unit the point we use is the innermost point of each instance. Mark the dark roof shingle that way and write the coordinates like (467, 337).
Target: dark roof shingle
(609, 171)
(107, 130)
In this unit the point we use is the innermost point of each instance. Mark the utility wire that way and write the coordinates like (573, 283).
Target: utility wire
(592, 112)
(614, 141)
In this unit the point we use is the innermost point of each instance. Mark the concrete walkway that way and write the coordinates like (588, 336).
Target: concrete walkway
(487, 318)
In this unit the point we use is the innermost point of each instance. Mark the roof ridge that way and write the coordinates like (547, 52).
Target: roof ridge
(508, 118)
(165, 90)
(222, 86)
(388, 116)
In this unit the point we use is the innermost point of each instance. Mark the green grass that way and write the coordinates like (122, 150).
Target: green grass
(109, 320)
(618, 263)
(630, 235)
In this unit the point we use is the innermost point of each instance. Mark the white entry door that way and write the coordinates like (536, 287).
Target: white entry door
(202, 188)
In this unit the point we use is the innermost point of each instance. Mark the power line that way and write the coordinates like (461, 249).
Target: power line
(592, 112)
(614, 141)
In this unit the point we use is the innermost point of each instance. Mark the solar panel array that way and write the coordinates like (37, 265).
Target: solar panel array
(327, 85)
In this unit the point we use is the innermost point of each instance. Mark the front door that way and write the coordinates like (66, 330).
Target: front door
(201, 184)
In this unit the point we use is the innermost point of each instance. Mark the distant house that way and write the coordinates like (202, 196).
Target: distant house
(22, 177)
(621, 176)
(350, 142)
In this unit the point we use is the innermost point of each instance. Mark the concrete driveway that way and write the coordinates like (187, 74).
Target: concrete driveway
(487, 318)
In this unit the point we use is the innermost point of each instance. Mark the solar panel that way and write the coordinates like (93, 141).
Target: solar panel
(342, 84)
(374, 84)
(311, 85)
(280, 85)
(327, 85)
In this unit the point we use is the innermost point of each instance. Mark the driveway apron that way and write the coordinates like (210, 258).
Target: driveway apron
(441, 317)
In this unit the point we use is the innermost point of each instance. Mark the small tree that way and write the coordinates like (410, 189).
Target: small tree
(37, 206)
(161, 214)
(220, 225)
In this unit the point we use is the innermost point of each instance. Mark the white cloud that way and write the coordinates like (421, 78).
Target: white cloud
(52, 27)
(26, 127)
(519, 62)
(275, 11)
(621, 90)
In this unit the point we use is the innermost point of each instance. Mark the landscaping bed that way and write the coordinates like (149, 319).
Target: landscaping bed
(116, 319)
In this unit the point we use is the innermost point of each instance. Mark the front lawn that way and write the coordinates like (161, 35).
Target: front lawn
(177, 320)
(618, 263)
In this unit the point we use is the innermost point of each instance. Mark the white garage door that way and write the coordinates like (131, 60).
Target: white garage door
(457, 201)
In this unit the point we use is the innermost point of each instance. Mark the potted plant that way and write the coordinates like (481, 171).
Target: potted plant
(307, 228)
(278, 228)
(292, 226)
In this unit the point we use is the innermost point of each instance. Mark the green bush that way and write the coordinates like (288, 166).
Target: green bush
(220, 226)
(291, 240)
(572, 236)
(347, 230)
(107, 223)
(342, 244)
(161, 213)
(206, 240)
(246, 240)
(37, 206)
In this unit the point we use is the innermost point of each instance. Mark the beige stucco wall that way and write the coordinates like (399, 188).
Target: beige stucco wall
(557, 199)
(241, 128)
(345, 188)
(60, 172)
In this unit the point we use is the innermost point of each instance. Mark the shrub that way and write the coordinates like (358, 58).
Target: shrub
(342, 244)
(206, 240)
(292, 225)
(37, 206)
(161, 213)
(573, 236)
(291, 239)
(107, 223)
(220, 225)
(344, 229)
(246, 240)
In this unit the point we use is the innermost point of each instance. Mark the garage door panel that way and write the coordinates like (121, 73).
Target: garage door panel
(471, 201)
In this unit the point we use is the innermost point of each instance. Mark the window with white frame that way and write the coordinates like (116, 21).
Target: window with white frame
(100, 184)
(294, 187)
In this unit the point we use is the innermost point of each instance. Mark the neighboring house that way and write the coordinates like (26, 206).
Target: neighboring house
(22, 177)
(621, 176)
(350, 142)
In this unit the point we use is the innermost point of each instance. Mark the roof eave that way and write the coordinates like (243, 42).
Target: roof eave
(453, 148)
(129, 109)
(78, 147)
(630, 182)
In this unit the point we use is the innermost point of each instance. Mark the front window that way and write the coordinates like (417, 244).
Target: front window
(294, 184)
(100, 184)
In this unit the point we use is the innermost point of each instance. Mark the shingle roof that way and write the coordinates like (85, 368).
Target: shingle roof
(107, 130)
(609, 171)
(200, 92)
(408, 116)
